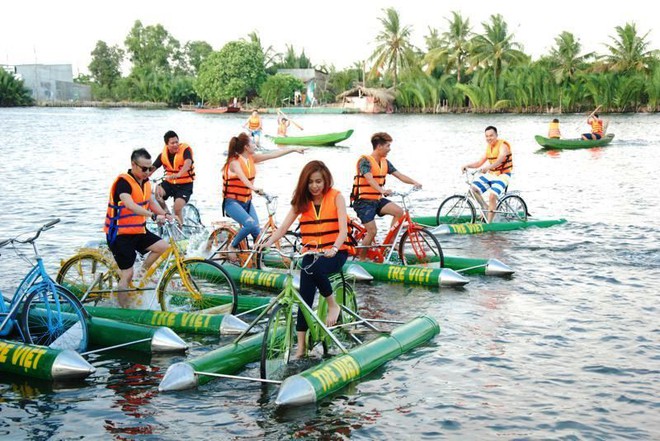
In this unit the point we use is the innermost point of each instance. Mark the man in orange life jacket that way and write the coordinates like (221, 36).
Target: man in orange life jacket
(496, 165)
(597, 127)
(368, 188)
(129, 206)
(177, 160)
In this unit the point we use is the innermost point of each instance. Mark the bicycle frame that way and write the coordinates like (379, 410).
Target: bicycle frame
(290, 295)
(375, 250)
(477, 199)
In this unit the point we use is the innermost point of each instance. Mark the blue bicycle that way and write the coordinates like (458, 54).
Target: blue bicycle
(51, 315)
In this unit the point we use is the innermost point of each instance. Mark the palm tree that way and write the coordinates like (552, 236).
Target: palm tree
(394, 50)
(495, 48)
(629, 52)
(453, 48)
(270, 55)
(566, 58)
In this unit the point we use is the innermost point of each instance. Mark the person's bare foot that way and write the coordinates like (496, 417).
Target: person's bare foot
(300, 353)
(333, 313)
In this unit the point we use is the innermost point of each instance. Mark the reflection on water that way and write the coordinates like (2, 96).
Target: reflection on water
(566, 347)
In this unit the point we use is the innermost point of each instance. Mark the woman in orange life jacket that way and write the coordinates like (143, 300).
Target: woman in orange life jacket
(596, 127)
(323, 225)
(238, 175)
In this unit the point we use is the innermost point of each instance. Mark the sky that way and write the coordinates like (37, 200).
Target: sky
(336, 33)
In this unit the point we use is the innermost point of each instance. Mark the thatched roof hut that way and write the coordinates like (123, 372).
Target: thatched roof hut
(370, 100)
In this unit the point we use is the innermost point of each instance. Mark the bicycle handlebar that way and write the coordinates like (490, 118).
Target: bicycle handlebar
(45, 227)
(405, 194)
(294, 254)
(269, 197)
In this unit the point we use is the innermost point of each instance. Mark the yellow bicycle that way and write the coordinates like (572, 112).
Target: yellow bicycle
(181, 284)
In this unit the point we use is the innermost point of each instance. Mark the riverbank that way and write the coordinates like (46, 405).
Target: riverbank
(102, 104)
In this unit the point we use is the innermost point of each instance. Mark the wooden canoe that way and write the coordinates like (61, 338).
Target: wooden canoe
(571, 144)
(326, 139)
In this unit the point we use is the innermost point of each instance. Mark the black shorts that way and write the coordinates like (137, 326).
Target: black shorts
(125, 246)
(177, 191)
(367, 209)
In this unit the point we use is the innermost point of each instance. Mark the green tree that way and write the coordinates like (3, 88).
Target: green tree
(237, 70)
(153, 48)
(271, 56)
(495, 48)
(195, 52)
(105, 66)
(13, 91)
(565, 57)
(291, 60)
(452, 50)
(277, 88)
(629, 51)
(394, 50)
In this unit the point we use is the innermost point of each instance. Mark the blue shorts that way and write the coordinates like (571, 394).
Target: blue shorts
(491, 182)
(254, 133)
(367, 209)
(593, 135)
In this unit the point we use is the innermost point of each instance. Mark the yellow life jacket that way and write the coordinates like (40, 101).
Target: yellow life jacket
(254, 122)
(596, 126)
(493, 152)
(553, 130)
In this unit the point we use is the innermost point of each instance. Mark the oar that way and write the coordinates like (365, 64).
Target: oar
(292, 121)
(592, 113)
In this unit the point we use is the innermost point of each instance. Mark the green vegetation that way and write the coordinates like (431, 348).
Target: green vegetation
(12, 91)
(461, 69)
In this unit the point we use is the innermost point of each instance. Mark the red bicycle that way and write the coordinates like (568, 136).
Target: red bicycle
(415, 244)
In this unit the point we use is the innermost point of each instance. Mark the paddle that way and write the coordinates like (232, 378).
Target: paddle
(579, 127)
(292, 121)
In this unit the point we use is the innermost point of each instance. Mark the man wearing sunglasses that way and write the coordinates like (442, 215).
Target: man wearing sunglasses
(130, 205)
(177, 160)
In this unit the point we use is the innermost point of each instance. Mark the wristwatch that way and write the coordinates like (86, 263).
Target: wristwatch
(335, 248)
(154, 216)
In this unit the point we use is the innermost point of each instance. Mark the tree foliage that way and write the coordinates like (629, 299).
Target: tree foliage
(394, 50)
(106, 64)
(237, 70)
(12, 91)
(277, 88)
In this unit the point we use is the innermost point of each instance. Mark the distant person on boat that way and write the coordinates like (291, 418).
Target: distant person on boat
(255, 127)
(496, 172)
(553, 129)
(368, 193)
(177, 160)
(282, 125)
(129, 206)
(238, 175)
(596, 127)
(314, 199)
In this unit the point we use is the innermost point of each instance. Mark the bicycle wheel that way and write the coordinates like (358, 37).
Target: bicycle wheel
(279, 338)
(201, 286)
(288, 244)
(344, 296)
(420, 247)
(192, 221)
(218, 241)
(455, 210)
(54, 318)
(511, 208)
(79, 272)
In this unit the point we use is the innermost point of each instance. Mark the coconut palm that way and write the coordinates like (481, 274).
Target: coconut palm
(629, 51)
(271, 56)
(394, 50)
(565, 57)
(495, 48)
(453, 48)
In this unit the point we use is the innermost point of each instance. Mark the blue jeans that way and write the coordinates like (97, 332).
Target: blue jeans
(245, 214)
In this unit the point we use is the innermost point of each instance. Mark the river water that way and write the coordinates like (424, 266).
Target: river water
(566, 348)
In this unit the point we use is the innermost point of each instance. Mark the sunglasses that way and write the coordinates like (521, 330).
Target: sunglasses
(145, 169)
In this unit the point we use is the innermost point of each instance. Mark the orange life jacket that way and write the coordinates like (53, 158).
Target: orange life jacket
(361, 188)
(171, 169)
(596, 126)
(319, 231)
(232, 186)
(493, 152)
(118, 218)
(254, 122)
(553, 131)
